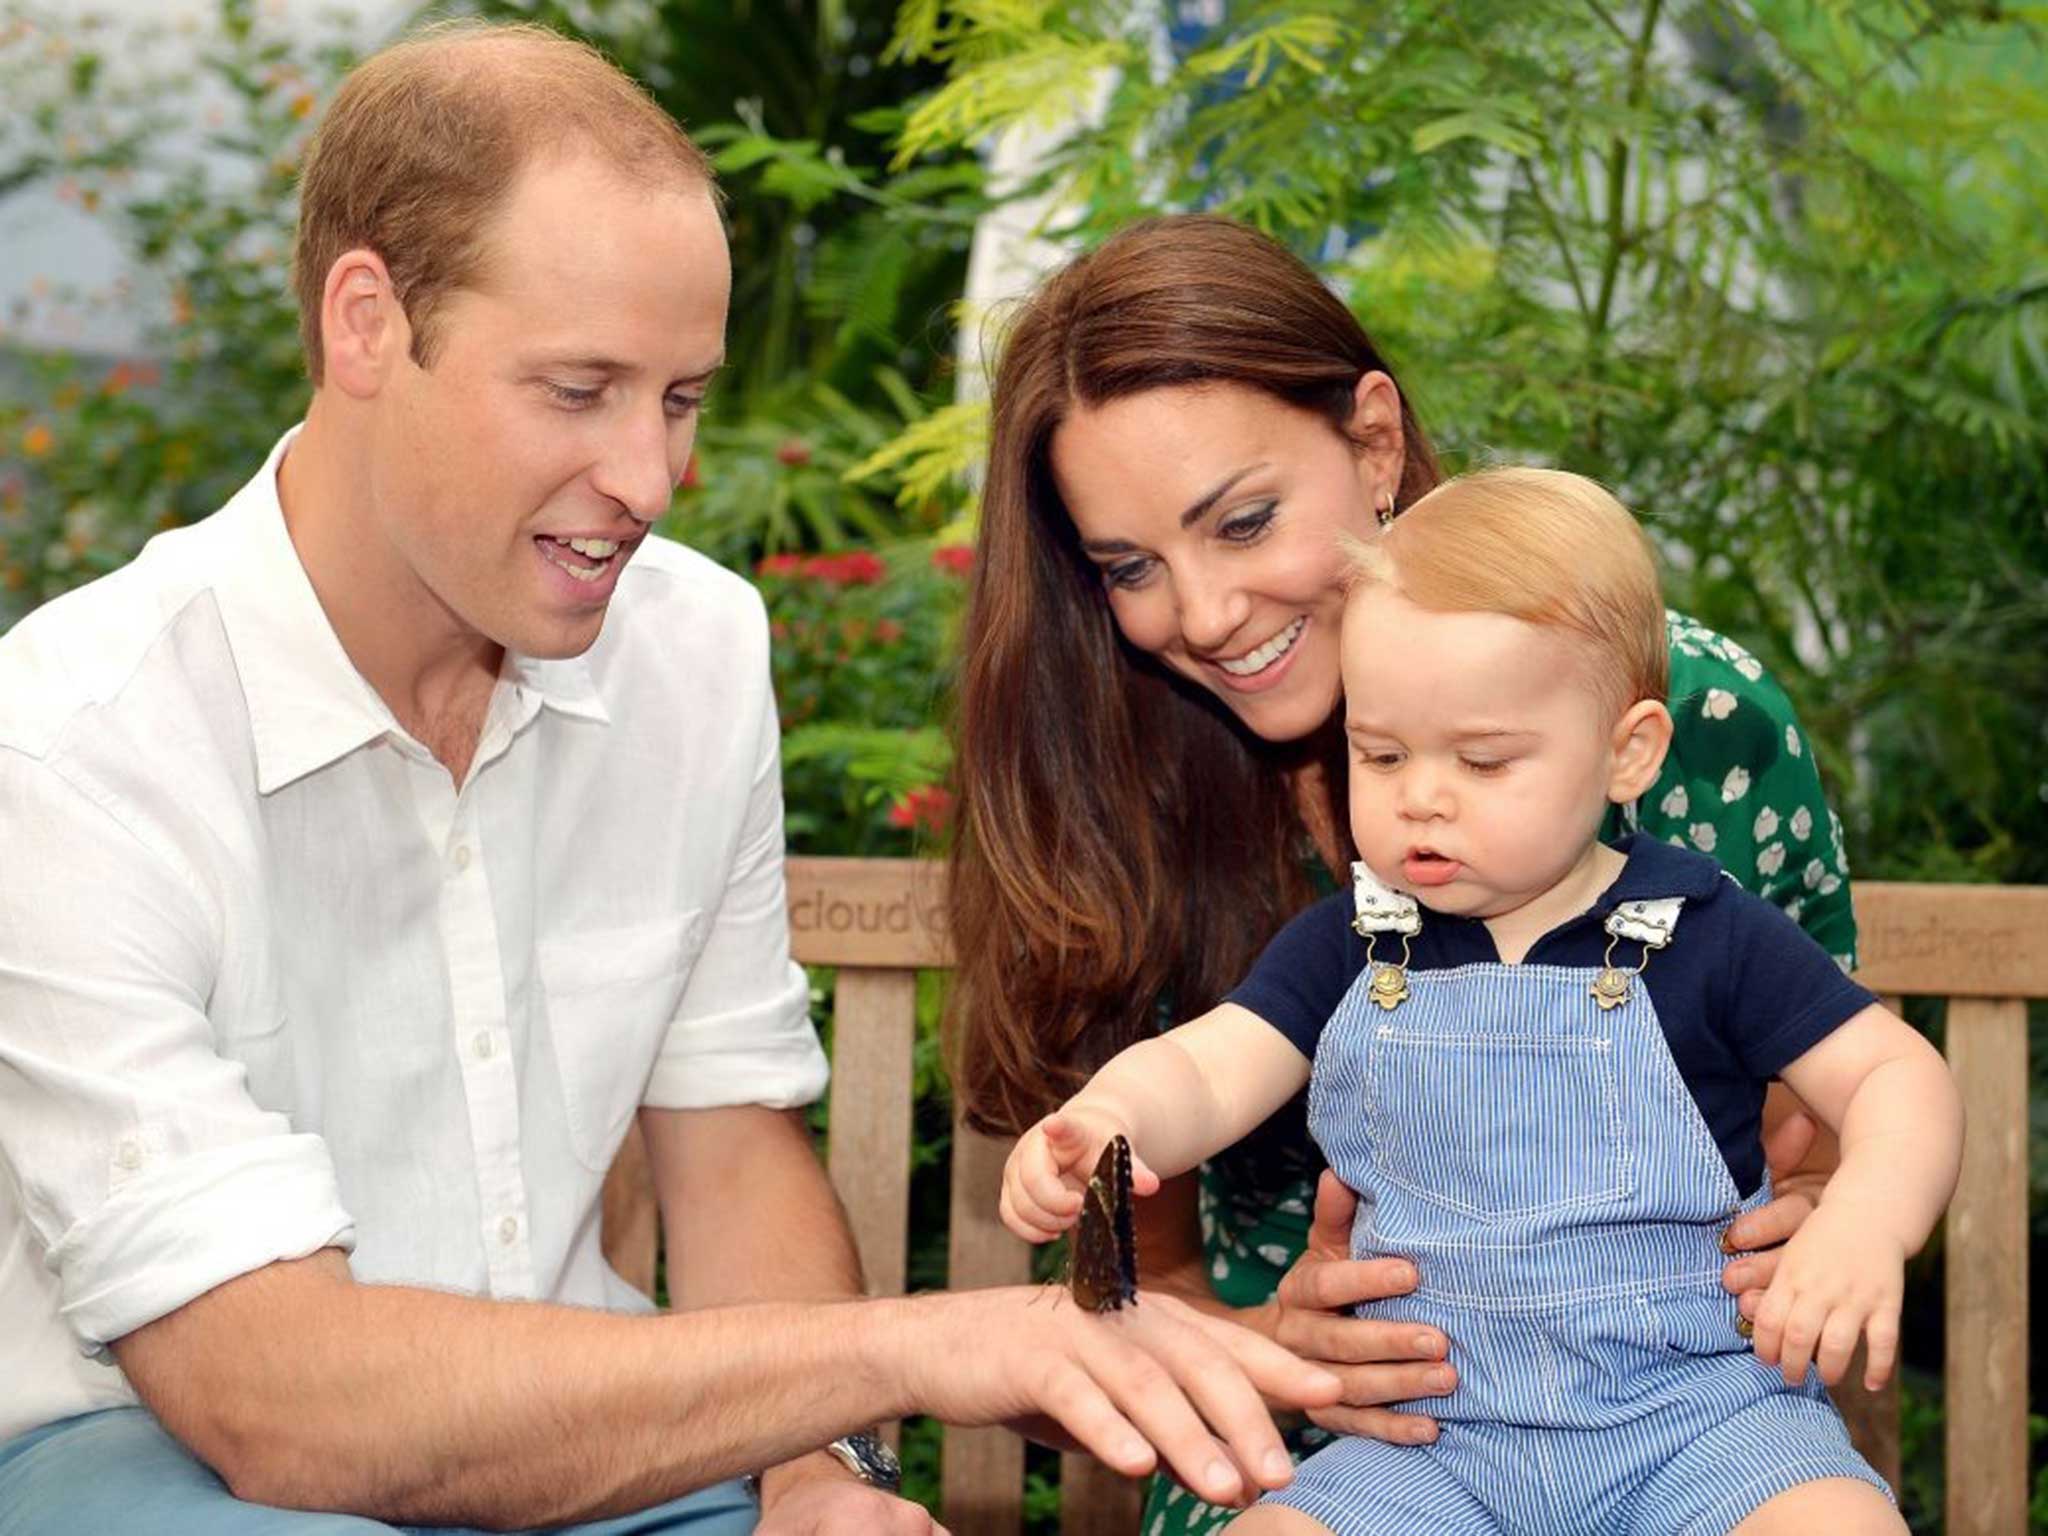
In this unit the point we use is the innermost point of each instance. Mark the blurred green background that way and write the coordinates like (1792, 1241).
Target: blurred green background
(1777, 271)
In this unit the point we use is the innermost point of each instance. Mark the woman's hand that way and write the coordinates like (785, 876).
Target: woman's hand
(1801, 1161)
(1378, 1362)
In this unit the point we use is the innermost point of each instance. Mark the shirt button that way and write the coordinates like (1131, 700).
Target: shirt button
(461, 857)
(508, 1230)
(482, 1045)
(129, 1155)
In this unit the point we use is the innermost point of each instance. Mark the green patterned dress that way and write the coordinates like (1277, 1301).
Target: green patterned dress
(1739, 783)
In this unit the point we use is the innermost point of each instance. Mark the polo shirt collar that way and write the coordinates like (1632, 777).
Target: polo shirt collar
(1656, 870)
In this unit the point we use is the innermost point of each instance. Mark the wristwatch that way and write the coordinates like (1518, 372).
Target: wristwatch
(868, 1457)
(864, 1453)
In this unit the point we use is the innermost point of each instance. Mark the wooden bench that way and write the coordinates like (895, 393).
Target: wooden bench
(1982, 948)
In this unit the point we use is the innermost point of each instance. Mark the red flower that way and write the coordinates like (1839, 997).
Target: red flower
(780, 565)
(923, 810)
(855, 568)
(793, 451)
(953, 559)
(691, 479)
(887, 631)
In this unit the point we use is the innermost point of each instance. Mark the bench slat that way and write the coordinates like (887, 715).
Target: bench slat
(981, 1470)
(874, 1026)
(1986, 1273)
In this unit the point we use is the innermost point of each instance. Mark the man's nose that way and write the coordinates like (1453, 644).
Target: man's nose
(635, 471)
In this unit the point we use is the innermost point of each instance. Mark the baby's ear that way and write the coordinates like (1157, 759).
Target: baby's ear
(1642, 736)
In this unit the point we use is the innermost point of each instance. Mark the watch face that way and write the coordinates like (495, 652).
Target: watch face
(871, 1460)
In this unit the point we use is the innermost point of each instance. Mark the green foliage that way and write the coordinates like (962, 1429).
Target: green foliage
(1773, 271)
(100, 454)
(860, 647)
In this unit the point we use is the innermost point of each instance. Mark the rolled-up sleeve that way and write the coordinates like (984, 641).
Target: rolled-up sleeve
(147, 1174)
(743, 1033)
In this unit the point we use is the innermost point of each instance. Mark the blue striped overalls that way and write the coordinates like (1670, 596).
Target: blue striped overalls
(1543, 1162)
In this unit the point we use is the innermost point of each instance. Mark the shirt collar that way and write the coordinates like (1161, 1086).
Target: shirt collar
(1656, 870)
(564, 684)
(308, 705)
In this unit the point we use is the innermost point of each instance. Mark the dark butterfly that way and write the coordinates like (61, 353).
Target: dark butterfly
(1105, 1273)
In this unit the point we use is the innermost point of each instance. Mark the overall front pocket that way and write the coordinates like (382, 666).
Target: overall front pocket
(1497, 1126)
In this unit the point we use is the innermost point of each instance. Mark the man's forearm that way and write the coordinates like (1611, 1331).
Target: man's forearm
(305, 1389)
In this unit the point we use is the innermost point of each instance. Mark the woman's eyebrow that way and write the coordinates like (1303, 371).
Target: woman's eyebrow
(1201, 506)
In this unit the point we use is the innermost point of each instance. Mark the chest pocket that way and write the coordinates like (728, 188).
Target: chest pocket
(1496, 1125)
(610, 997)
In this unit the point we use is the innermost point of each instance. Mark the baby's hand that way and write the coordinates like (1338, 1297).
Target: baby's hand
(1842, 1274)
(1048, 1170)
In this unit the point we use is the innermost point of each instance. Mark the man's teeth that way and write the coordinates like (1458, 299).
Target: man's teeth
(1265, 655)
(600, 550)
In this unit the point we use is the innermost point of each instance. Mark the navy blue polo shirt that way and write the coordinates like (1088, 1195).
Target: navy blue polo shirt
(1740, 991)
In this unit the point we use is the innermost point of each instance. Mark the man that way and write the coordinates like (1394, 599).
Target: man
(378, 847)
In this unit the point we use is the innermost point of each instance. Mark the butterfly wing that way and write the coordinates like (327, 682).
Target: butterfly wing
(1105, 1243)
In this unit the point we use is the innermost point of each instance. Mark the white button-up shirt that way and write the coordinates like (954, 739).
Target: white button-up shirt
(270, 982)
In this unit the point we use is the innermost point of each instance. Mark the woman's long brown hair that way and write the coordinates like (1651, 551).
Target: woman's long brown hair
(1120, 837)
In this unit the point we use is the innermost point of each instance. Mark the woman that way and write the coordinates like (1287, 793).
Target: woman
(1150, 767)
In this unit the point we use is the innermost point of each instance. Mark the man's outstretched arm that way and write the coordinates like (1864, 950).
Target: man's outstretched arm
(308, 1390)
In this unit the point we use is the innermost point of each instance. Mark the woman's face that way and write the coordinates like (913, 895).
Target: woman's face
(1213, 513)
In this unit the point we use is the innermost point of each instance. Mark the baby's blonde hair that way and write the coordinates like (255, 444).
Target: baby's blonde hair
(1540, 545)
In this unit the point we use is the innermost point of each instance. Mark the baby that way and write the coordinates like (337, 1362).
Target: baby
(1541, 1062)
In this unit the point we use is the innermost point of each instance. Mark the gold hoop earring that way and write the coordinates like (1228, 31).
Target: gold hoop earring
(1383, 508)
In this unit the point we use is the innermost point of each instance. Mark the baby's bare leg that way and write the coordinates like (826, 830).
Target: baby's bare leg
(1275, 1520)
(1839, 1505)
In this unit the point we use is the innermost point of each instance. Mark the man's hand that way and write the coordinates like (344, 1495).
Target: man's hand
(1376, 1361)
(825, 1505)
(1842, 1277)
(1048, 1170)
(1155, 1381)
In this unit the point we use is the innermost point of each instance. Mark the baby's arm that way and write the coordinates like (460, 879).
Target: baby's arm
(1179, 1097)
(1888, 1095)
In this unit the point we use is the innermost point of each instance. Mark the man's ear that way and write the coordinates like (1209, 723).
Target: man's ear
(1642, 738)
(363, 329)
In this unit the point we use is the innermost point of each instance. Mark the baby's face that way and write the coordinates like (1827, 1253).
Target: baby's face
(1481, 756)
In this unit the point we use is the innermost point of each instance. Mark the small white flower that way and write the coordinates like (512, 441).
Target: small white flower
(1766, 824)
(1802, 823)
(1749, 667)
(1792, 741)
(1675, 803)
(1794, 907)
(1675, 840)
(1771, 860)
(1702, 833)
(1275, 1253)
(1221, 1268)
(1683, 649)
(1815, 872)
(1720, 704)
(1735, 786)
(1829, 885)
(1291, 1206)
